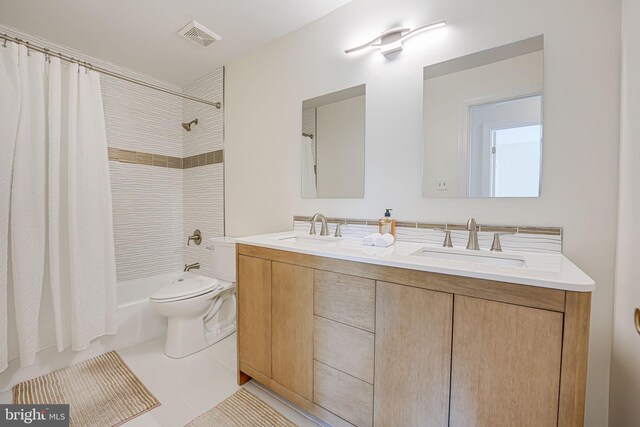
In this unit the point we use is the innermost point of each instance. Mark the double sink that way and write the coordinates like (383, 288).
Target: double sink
(452, 254)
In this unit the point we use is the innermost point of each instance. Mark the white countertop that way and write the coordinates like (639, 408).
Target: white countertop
(544, 270)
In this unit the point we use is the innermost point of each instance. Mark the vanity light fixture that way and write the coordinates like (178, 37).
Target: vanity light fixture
(391, 40)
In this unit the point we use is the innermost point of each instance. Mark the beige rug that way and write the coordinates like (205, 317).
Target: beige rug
(242, 409)
(101, 392)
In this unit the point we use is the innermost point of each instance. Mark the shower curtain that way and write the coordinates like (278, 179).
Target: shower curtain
(56, 224)
(309, 189)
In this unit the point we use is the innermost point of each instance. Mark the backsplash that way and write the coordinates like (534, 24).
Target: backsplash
(523, 239)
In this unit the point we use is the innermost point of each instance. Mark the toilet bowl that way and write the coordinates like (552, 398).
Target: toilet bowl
(200, 310)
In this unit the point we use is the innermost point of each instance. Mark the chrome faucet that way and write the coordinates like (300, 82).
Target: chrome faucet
(194, 266)
(472, 243)
(324, 231)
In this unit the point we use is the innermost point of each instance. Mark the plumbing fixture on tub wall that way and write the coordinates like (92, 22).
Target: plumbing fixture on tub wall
(196, 238)
(194, 266)
(187, 125)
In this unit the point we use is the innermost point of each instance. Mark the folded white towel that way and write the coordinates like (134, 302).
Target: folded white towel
(384, 241)
(370, 239)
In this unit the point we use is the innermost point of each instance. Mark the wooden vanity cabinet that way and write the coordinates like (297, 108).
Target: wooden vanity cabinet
(254, 313)
(275, 323)
(344, 337)
(413, 356)
(370, 345)
(292, 328)
(505, 369)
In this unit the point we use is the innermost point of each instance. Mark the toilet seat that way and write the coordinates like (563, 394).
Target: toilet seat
(186, 290)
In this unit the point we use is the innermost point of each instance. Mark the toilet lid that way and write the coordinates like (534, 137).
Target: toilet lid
(192, 286)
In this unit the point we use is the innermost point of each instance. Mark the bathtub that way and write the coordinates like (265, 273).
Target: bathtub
(137, 323)
(136, 320)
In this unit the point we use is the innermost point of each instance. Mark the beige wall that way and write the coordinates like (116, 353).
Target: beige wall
(580, 166)
(340, 148)
(625, 360)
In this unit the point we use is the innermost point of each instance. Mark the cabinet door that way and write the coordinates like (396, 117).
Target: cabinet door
(505, 365)
(412, 356)
(292, 337)
(254, 313)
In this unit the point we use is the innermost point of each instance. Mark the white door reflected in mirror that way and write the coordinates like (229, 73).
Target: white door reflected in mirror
(505, 146)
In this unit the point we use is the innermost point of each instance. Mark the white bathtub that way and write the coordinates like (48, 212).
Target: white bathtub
(136, 323)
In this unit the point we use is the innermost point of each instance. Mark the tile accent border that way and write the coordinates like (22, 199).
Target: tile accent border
(520, 238)
(148, 159)
(550, 231)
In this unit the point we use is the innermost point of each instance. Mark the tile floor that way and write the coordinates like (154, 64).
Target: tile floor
(191, 386)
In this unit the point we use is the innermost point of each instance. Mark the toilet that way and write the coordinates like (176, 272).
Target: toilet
(200, 310)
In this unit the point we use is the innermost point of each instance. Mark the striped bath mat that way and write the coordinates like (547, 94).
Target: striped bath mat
(101, 392)
(242, 409)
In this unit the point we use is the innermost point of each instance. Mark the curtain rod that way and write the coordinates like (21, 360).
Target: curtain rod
(70, 59)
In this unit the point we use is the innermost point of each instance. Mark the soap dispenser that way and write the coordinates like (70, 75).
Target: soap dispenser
(387, 224)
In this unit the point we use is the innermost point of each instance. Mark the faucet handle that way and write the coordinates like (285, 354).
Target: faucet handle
(312, 230)
(447, 237)
(496, 246)
(196, 238)
(338, 232)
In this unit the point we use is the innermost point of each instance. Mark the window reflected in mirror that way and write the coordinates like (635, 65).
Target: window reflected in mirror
(483, 123)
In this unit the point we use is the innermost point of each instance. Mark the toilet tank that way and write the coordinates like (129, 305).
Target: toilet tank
(224, 257)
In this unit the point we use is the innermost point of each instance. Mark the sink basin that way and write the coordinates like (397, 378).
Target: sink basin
(310, 239)
(473, 257)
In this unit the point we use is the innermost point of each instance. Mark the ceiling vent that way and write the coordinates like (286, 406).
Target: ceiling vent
(199, 34)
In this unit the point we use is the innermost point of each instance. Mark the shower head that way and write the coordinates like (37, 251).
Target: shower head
(187, 126)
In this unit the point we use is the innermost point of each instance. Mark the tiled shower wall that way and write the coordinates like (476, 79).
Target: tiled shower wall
(203, 186)
(147, 200)
(166, 182)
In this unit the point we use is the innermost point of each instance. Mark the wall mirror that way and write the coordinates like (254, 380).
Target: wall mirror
(483, 123)
(333, 145)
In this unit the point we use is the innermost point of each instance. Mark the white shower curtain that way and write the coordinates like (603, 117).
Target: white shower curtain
(309, 188)
(9, 114)
(55, 202)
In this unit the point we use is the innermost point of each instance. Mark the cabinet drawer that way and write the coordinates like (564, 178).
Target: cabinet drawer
(344, 347)
(349, 398)
(346, 299)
